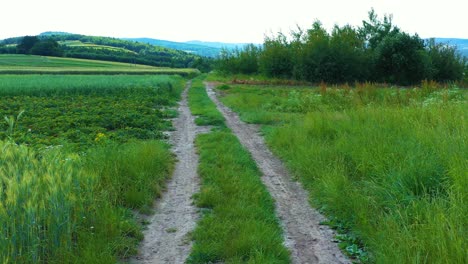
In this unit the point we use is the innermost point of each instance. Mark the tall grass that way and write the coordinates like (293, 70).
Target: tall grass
(239, 224)
(132, 175)
(43, 200)
(389, 164)
(56, 207)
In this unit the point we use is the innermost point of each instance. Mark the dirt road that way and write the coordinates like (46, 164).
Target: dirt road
(166, 238)
(308, 241)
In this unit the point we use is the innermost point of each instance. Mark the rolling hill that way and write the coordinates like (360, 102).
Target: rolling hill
(112, 49)
(201, 48)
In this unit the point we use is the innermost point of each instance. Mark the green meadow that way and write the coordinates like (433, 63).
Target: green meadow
(388, 166)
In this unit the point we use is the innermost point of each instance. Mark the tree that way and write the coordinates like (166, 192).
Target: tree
(47, 47)
(402, 59)
(373, 31)
(314, 62)
(276, 58)
(447, 63)
(26, 44)
(351, 59)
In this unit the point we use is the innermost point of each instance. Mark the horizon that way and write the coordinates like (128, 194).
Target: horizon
(188, 41)
(228, 22)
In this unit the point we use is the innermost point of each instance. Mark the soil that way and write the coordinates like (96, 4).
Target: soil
(308, 241)
(167, 237)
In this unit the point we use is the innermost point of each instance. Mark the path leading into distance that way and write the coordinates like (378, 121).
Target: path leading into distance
(308, 241)
(167, 236)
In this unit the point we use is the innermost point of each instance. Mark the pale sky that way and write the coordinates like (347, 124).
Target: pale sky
(222, 20)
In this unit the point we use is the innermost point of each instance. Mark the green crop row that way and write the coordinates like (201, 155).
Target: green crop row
(73, 110)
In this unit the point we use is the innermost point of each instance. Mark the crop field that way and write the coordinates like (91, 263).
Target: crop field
(78, 153)
(77, 43)
(30, 64)
(387, 166)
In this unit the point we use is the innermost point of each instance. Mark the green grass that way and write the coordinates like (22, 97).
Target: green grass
(77, 162)
(30, 64)
(239, 223)
(389, 166)
(201, 105)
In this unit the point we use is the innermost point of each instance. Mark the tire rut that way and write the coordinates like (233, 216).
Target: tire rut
(308, 241)
(167, 237)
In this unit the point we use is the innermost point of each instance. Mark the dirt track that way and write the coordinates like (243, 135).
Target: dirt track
(308, 241)
(166, 238)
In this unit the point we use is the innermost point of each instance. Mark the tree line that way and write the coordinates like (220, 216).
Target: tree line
(377, 51)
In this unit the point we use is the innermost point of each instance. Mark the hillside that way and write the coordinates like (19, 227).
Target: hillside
(112, 49)
(201, 48)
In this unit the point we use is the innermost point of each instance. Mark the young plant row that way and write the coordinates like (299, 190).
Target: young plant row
(239, 223)
(73, 110)
(388, 166)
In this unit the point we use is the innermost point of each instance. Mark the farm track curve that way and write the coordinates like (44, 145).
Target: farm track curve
(308, 241)
(167, 237)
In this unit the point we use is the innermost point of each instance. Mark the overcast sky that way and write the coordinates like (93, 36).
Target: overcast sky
(222, 20)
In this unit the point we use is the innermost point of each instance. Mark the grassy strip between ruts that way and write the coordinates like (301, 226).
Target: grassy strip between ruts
(389, 165)
(201, 105)
(239, 223)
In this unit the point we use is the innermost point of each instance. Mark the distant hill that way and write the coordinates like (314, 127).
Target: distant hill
(200, 50)
(461, 44)
(218, 45)
(113, 49)
(206, 49)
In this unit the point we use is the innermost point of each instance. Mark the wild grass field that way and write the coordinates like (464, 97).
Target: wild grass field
(31, 64)
(78, 154)
(387, 165)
